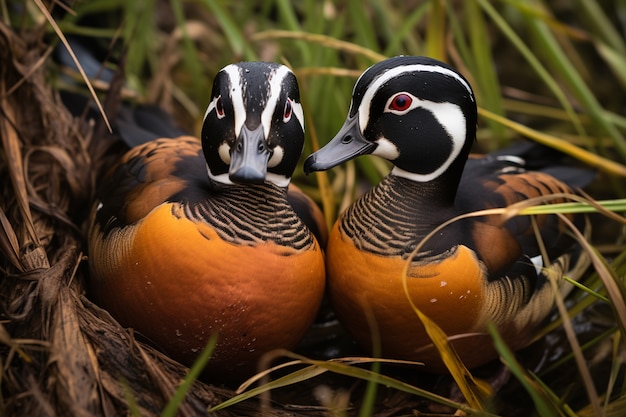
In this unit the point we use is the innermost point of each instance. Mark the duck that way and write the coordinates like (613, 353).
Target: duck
(192, 237)
(421, 115)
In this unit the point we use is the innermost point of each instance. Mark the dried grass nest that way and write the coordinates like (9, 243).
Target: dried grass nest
(60, 353)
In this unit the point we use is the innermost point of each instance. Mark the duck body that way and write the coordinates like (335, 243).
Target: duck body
(472, 272)
(179, 251)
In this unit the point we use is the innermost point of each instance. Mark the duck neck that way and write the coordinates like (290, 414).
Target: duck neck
(252, 214)
(262, 196)
(437, 193)
(394, 216)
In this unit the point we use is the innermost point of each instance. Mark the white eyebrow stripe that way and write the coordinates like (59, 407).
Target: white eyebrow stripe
(364, 108)
(236, 96)
(210, 107)
(298, 112)
(275, 86)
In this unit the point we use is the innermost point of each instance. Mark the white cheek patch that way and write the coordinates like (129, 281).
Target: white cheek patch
(386, 149)
(236, 96)
(277, 157)
(224, 152)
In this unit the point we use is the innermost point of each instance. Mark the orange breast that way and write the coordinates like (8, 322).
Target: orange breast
(366, 288)
(177, 282)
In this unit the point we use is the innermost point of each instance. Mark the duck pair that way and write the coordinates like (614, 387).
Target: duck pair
(194, 237)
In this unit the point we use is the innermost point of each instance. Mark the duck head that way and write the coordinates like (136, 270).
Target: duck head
(253, 129)
(416, 112)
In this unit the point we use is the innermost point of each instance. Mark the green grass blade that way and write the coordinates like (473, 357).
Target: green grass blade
(461, 41)
(133, 407)
(484, 73)
(232, 30)
(139, 32)
(618, 205)
(326, 41)
(290, 21)
(600, 24)
(190, 55)
(291, 379)
(543, 405)
(615, 408)
(174, 403)
(615, 60)
(561, 65)
(345, 367)
(589, 158)
(534, 62)
(403, 31)
(603, 337)
(365, 34)
(436, 30)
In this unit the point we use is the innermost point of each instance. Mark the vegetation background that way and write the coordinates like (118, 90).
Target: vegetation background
(549, 71)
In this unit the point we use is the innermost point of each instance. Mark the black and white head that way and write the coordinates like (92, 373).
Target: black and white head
(417, 112)
(253, 128)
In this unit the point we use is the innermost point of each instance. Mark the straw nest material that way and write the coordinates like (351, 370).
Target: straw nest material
(60, 353)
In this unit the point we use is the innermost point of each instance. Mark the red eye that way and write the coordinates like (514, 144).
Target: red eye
(401, 102)
(287, 111)
(219, 107)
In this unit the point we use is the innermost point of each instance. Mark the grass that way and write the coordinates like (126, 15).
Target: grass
(550, 73)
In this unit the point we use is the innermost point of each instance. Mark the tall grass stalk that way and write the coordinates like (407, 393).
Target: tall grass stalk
(534, 66)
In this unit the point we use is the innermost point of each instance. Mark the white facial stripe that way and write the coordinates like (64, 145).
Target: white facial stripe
(277, 156)
(275, 82)
(236, 96)
(224, 152)
(210, 107)
(514, 159)
(451, 118)
(364, 109)
(222, 178)
(279, 180)
(398, 172)
(386, 149)
(296, 108)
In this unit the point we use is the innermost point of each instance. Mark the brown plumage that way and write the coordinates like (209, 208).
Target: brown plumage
(179, 253)
(421, 115)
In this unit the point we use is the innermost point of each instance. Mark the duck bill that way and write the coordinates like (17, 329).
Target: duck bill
(347, 144)
(249, 156)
